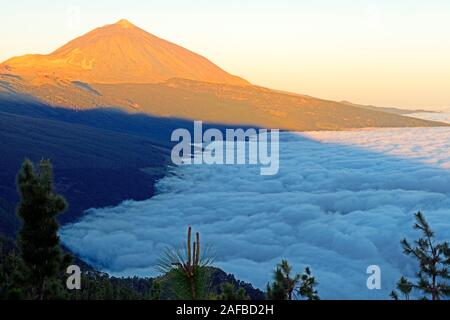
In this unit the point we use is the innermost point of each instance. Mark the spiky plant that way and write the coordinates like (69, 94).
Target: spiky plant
(187, 268)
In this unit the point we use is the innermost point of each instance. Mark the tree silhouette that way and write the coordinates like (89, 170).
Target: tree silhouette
(308, 285)
(287, 286)
(38, 239)
(229, 292)
(433, 259)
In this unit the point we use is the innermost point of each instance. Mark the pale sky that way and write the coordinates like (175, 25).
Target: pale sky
(386, 53)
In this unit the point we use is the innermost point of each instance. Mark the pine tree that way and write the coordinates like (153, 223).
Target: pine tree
(276, 290)
(308, 285)
(12, 282)
(229, 292)
(433, 259)
(155, 291)
(287, 286)
(38, 239)
(405, 287)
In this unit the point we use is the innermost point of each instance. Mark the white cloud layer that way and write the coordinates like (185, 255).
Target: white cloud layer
(342, 201)
(434, 116)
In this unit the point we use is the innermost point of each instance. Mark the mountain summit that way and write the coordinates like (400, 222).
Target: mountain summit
(124, 23)
(118, 53)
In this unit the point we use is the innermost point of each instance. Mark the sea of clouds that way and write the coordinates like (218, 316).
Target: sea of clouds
(433, 116)
(342, 201)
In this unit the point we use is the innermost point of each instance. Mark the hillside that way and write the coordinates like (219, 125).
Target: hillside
(118, 53)
(101, 156)
(388, 109)
(8, 219)
(100, 286)
(94, 167)
(123, 66)
(213, 103)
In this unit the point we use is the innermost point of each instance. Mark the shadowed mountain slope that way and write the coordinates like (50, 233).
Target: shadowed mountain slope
(94, 167)
(101, 157)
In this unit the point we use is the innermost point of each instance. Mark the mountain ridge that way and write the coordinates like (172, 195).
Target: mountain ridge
(118, 53)
(122, 66)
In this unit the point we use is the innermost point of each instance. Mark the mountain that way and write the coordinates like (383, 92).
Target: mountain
(9, 222)
(389, 109)
(121, 65)
(100, 158)
(118, 53)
